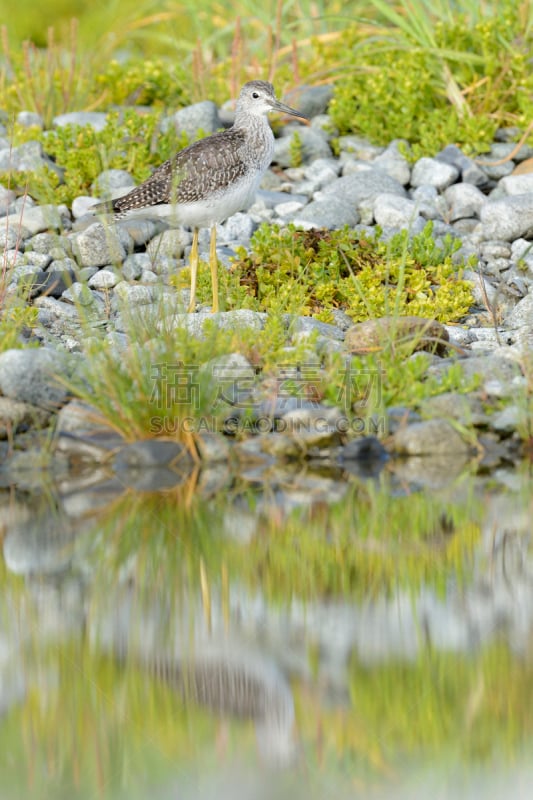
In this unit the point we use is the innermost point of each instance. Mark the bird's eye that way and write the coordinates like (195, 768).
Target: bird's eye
(255, 95)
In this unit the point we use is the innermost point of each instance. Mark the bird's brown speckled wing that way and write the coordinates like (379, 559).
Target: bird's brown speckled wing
(193, 174)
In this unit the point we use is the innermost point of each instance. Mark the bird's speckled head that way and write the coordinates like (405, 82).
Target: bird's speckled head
(257, 99)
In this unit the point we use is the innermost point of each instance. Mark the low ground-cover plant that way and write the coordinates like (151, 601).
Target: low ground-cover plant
(131, 141)
(434, 82)
(16, 316)
(314, 272)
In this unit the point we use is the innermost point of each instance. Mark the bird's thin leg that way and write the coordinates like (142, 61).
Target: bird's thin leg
(213, 264)
(193, 261)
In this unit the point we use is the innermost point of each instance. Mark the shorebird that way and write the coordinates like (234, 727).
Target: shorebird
(211, 179)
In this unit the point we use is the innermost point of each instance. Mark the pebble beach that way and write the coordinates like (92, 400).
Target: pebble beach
(72, 261)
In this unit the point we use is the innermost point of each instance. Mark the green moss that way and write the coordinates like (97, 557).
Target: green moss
(313, 272)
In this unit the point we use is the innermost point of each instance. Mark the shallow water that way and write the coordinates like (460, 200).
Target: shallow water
(283, 632)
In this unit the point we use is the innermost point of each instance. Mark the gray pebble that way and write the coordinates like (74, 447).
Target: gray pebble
(311, 325)
(429, 438)
(24, 158)
(80, 294)
(432, 172)
(237, 228)
(135, 294)
(35, 219)
(464, 200)
(96, 119)
(111, 181)
(82, 205)
(522, 314)
(313, 145)
(495, 249)
(226, 320)
(311, 100)
(331, 212)
(30, 119)
(509, 218)
(104, 279)
(170, 243)
(393, 163)
(98, 246)
(469, 170)
(29, 376)
(134, 264)
(7, 196)
(359, 148)
(321, 171)
(41, 260)
(362, 186)
(393, 211)
(517, 184)
(430, 204)
(9, 238)
(148, 276)
(509, 419)
(16, 416)
(197, 118)
(13, 258)
(149, 453)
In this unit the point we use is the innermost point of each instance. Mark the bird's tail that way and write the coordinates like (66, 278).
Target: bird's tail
(104, 207)
(107, 208)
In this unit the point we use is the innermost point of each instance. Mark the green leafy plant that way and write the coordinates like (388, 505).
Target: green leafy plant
(164, 376)
(16, 316)
(434, 80)
(313, 272)
(129, 141)
(146, 82)
(296, 150)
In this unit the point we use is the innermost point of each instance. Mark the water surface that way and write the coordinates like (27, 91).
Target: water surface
(290, 631)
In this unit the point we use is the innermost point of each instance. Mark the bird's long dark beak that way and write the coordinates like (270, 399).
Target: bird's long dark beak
(277, 105)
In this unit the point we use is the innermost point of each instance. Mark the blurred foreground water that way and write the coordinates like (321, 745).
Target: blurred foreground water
(283, 632)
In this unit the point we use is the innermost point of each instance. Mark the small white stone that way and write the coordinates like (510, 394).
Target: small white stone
(288, 209)
(104, 279)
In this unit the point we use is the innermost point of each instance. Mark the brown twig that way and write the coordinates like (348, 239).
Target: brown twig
(513, 152)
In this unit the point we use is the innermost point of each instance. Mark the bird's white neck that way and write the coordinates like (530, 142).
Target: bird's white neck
(253, 122)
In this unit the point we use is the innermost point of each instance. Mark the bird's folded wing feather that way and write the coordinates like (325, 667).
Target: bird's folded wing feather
(193, 174)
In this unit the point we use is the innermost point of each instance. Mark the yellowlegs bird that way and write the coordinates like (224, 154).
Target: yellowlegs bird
(213, 178)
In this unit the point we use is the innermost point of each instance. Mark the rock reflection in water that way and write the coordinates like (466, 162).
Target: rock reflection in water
(39, 538)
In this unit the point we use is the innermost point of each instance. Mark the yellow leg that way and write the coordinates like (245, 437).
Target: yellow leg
(193, 261)
(213, 264)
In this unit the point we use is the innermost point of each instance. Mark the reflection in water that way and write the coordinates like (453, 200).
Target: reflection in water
(369, 628)
(214, 669)
(239, 685)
